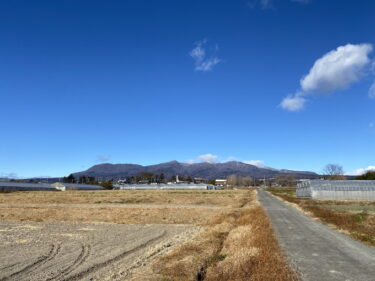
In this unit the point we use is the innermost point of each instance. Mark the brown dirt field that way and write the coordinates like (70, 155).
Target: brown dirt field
(83, 251)
(236, 241)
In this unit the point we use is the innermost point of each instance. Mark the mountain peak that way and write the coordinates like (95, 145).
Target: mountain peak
(200, 170)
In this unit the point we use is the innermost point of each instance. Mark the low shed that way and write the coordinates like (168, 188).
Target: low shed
(337, 189)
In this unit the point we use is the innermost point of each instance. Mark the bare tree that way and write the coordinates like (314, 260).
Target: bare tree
(233, 180)
(246, 181)
(333, 172)
(286, 180)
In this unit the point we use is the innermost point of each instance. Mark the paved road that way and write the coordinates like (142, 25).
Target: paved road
(318, 252)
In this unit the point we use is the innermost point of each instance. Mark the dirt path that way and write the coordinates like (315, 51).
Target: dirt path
(83, 251)
(318, 252)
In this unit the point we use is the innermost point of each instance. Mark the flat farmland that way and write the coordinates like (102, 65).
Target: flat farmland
(137, 235)
(123, 206)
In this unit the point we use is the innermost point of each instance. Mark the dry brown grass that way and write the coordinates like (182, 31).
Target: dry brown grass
(108, 214)
(343, 215)
(239, 245)
(177, 197)
(96, 206)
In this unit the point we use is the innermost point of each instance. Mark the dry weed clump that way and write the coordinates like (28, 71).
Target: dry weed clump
(359, 225)
(239, 245)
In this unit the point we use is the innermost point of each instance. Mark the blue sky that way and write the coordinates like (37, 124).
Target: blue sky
(86, 82)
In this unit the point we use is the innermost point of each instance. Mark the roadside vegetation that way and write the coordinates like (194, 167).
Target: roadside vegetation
(237, 245)
(354, 218)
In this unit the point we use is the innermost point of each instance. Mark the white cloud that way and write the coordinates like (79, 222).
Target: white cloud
(199, 55)
(209, 158)
(258, 163)
(336, 70)
(371, 92)
(293, 103)
(362, 171)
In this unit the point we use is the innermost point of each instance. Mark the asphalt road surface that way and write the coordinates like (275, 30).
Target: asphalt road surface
(316, 251)
(81, 251)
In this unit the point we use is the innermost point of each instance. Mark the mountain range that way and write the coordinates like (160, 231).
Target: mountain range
(196, 170)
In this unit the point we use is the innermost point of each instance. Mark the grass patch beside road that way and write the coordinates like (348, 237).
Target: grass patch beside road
(355, 218)
(238, 245)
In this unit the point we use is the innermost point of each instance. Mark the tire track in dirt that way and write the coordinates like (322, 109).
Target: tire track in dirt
(55, 249)
(82, 257)
(9, 266)
(116, 258)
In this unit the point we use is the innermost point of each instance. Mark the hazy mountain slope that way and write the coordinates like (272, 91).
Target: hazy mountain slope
(203, 170)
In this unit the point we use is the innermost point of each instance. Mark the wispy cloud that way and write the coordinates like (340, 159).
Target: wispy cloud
(362, 171)
(294, 102)
(209, 158)
(258, 163)
(202, 61)
(103, 159)
(336, 70)
(263, 4)
(371, 125)
(269, 4)
(212, 158)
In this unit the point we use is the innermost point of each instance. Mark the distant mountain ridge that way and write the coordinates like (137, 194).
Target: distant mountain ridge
(196, 170)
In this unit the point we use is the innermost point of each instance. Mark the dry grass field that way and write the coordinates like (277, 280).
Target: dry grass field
(355, 218)
(230, 239)
(177, 197)
(123, 206)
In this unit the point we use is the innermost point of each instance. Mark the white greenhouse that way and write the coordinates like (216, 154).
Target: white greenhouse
(21, 186)
(337, 189)
(165, 186)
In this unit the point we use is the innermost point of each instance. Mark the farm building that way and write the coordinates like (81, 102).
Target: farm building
(221, 182)
(337, 189)
(75, 186)
(165, 186)
(20, 186)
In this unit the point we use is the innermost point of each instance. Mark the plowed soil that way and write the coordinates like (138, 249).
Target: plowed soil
(83, 251)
